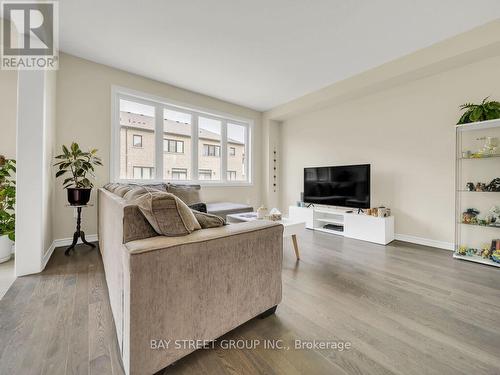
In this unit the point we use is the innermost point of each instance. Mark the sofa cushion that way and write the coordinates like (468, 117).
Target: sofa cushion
(111, 187)
(189, 194)
(167, 214)
(122, 190)
(225, 208)
(159, 186)
(137, 192)
(208, 221)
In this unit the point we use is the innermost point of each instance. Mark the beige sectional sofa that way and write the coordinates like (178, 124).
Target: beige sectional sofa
(193, 287)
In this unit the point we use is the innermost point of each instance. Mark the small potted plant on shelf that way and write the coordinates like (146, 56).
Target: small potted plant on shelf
(487, 110)
(80, 166)
(7, 202)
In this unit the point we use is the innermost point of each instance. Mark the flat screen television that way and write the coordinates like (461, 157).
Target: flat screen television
(345, 186)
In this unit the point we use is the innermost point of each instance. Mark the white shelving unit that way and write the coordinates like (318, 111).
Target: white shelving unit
(349, 224)
(475, 169)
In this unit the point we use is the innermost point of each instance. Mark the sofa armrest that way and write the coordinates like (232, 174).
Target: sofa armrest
(163, 242)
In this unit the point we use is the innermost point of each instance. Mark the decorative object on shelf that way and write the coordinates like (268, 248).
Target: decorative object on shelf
(494, 185)
(466, 154)
(470, 186)
(274, 215)
(480, 187)
(486, 251)
(494, 215)
(79, 164)
(383, 212)
(378, 211)
(470, 216)
(261, 212)
(487, 110)
(490, 146)
(470, 251)
(462, 250)
(495, 251)
(7, 210)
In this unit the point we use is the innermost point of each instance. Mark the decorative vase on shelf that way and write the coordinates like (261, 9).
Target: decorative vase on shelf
(261, 212)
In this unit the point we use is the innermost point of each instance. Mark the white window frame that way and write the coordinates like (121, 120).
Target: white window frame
(160, 104)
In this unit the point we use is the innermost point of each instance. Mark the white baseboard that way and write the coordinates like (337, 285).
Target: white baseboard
(64, 242)
(68, 241)
(425, 241)
(47, 255)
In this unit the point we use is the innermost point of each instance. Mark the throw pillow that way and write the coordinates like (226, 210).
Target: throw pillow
(122, 190)
(137, 192)
(135, 225)
(201, 207)
(167, 214)
(208, 220)
(188, 194)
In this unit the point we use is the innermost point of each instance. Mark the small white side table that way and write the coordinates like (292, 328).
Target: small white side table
(291, 227)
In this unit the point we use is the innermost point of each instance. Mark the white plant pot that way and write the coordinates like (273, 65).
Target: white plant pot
(5, 249)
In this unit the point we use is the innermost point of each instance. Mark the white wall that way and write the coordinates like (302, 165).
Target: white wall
(8, 110)
(406, 133)
(84, 115)
(8, 100)
(35, 137)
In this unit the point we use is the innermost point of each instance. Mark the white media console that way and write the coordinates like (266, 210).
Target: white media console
(348, 224)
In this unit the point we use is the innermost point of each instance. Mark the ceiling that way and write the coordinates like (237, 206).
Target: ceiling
(259, 53)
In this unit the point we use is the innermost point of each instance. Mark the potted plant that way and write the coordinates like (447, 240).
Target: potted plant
(79, 165)
(487, 110)
(7, 202)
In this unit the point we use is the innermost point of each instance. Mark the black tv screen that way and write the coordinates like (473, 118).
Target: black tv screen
(345, 186)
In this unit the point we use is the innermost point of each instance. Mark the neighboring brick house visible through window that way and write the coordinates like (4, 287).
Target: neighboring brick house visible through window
(137, 139)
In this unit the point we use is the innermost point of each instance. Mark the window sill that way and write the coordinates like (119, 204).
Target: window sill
(203, 183)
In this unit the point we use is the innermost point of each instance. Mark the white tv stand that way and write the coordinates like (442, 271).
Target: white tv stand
(348, 224)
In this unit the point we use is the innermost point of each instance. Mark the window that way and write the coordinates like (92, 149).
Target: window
(137, 140)
(211, 150)
(179, 174)
(237, 139)
(143, 173)
(171, 145)
(157, 141)
(177, 144)
(210, 141)
(205, 174)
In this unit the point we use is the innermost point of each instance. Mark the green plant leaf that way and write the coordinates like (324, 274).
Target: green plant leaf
(476, 114)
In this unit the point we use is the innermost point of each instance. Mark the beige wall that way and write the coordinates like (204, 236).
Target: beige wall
(406, 133)
(85, 87)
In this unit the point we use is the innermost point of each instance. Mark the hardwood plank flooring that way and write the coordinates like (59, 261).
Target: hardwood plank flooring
(405, 309)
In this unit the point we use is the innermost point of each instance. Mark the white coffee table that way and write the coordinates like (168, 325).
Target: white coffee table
(291, 227)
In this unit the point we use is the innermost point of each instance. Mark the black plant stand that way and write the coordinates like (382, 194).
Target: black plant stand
(79, 233)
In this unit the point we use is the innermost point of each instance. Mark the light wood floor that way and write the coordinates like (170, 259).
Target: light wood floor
(405, 309)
